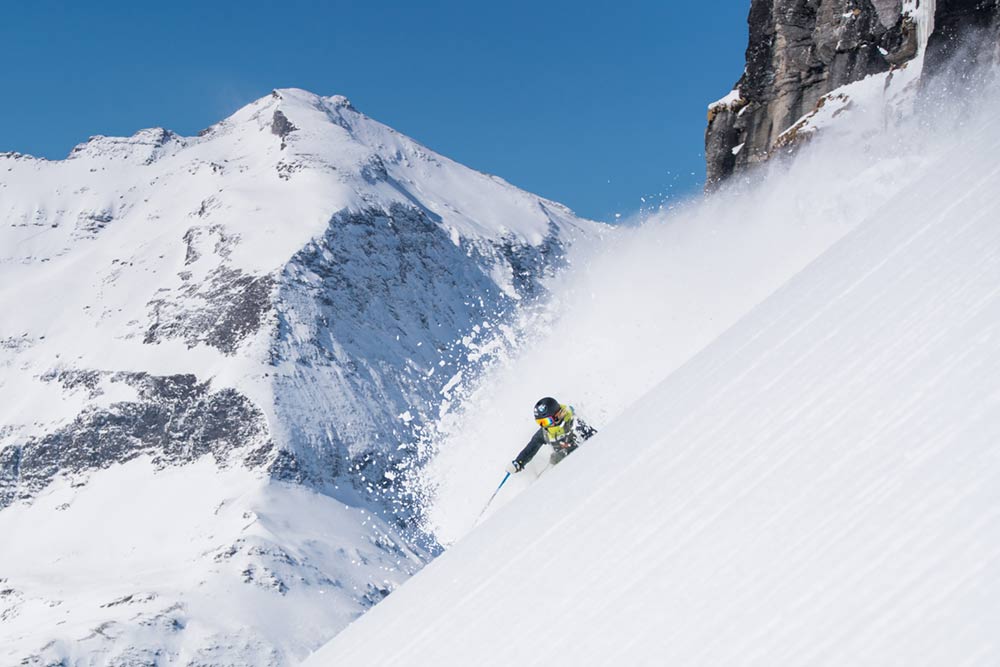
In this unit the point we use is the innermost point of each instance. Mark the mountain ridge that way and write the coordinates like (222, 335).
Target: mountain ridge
(282, 299)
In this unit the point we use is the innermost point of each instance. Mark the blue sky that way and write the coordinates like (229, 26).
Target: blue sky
(594, 104)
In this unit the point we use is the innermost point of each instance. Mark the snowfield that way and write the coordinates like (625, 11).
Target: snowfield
(799, 450)
(187, 565)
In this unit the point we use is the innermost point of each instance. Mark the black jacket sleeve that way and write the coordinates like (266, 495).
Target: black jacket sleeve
(531, 449)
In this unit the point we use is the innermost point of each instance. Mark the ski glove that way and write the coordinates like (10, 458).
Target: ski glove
(514, 467)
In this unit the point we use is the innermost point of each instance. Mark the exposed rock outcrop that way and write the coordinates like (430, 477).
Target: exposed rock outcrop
(282, 127)
(174, 419)
(223, 311)
(802, 50)
(799, 51)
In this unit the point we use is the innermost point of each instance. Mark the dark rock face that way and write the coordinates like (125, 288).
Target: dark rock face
(371, 312)
(222, 310)
(281, 126)
(966, 34)
(175, 419)
(529, 263)
(799, 51)
(225, 310)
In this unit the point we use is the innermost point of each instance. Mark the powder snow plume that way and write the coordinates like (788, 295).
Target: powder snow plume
(797, 389)
(636, 308)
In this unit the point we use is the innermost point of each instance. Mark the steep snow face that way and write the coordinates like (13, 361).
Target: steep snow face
(628, 314)
(813, 477)
(287, 293)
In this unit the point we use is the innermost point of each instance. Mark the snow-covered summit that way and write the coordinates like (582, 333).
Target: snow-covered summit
(379, 164)
(198, 240)
(286, 294)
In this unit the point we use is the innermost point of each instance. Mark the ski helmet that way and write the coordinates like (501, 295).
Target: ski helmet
(547, 408)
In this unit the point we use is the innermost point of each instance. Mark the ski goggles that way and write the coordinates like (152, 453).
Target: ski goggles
(548, 422)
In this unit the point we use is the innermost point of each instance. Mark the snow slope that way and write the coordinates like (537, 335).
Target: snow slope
(187, 565)
(818, 484)
(631, 312)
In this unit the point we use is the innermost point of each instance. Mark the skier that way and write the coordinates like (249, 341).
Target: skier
(559, 427)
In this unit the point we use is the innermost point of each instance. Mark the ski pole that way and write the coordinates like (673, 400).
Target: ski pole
(505, 478)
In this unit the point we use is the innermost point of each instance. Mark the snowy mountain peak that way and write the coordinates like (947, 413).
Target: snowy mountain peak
(204, 246)
(302, 96)
(284, 301)
(275, 113)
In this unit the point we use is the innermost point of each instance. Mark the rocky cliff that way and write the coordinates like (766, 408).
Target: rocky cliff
(802, 52)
